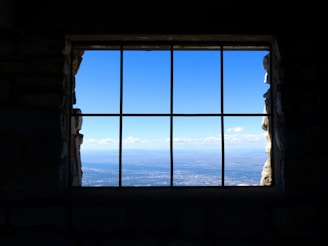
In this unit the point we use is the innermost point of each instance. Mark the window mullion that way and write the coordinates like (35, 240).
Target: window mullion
(222, 116)
(171, 117)
(121, 118)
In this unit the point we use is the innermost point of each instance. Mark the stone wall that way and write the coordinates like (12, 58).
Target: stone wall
(35, 77)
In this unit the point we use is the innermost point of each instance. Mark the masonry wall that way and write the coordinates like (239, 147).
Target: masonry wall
(38, 208)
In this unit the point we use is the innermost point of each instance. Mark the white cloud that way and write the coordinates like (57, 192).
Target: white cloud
(89, 141)
(212, 139)
(230, 140)
(204, 140)
(131, 139)
(235, 129)
(245, 140)
(107, 141)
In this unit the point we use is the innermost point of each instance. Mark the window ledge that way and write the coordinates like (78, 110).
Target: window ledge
(111, 195)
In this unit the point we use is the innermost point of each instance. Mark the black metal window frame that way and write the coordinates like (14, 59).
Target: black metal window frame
(172, 46)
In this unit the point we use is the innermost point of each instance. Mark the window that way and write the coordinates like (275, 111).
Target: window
(171, 114)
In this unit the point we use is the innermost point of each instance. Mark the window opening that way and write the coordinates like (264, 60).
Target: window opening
(174, 116)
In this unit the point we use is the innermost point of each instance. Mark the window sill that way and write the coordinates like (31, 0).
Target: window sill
(115, 195)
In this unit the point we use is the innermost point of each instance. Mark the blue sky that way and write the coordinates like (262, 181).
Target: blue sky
(146, 78)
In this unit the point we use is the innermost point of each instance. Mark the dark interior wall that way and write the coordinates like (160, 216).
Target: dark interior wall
(37, 208)
(95, 17)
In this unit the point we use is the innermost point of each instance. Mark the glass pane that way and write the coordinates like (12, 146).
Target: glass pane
(98, 82)
(100, 151)
(244, 150)
(197, 151)
(244, 85)
(196, 82)
(146, 151)
(146, 82)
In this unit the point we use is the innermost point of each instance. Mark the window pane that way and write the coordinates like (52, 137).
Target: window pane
(146, 82)
(244, 150)
(98, 82)
(197, 151)
(146, 151)
(100, 151)
(196, 82)
(244, 85)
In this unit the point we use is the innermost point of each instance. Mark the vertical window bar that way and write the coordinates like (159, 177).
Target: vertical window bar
(222, 117)
(121, 118)
(171, 117)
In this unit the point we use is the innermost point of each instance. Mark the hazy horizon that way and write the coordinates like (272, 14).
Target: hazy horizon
(152, 168)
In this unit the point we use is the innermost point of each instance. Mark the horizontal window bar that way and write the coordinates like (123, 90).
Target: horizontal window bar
(142, 114)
